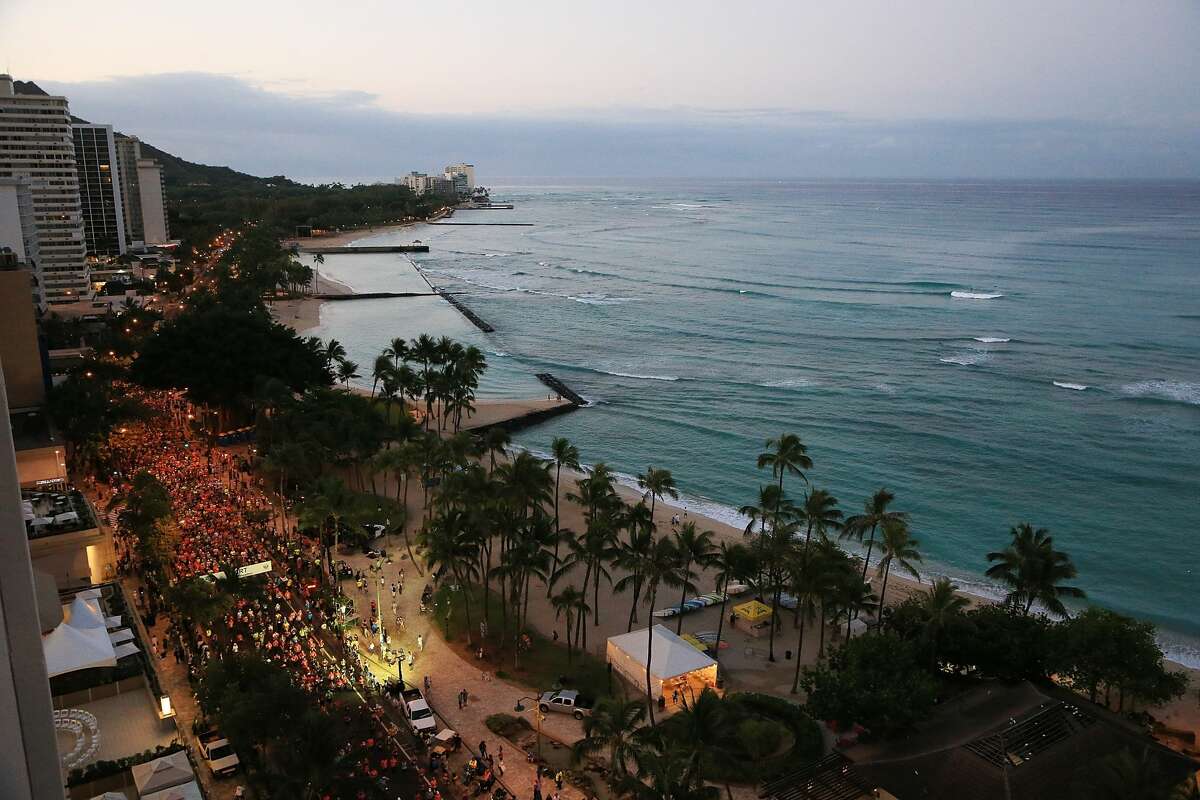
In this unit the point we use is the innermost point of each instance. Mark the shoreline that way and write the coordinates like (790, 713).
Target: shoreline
(304, 313)
(345, 238)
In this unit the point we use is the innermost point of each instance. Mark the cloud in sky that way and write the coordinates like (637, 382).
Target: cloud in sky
(348, 135)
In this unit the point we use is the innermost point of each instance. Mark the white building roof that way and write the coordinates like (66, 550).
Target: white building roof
(184, 791)
(671, 655)
(79, 643)
(162, 773)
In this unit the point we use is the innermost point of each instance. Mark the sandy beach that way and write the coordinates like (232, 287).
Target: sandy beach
(744, 658)
(344, 238)
(304, 313)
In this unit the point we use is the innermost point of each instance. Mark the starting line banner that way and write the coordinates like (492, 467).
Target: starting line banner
(242, 572)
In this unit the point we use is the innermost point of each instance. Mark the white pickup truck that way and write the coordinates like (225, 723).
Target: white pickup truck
(565, 702)
(420, 715)
(219, 754)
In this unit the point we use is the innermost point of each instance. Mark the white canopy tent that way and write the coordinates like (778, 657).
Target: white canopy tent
(673, 662)
(81, 641)
(184, 791)
(162, 773)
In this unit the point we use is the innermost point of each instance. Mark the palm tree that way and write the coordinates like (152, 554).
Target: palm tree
(329, 500)
(732, 562)
(657, 483)
(333, 351)
(900, 547)
(705, 726)
(613, 726)
(875, 511)
(665, 568)
(1034, 569)
(632, 554)
(564, 454)
(380, 370)
(940, 605)
(809, 581)
(347, 371)
(785, 455)
(695, 548)
(450, 545)
(568, 603)
(820, 513)
(397, 351)
(495, 440)
(854, 596)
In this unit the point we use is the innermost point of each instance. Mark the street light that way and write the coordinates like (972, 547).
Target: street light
(538, 717)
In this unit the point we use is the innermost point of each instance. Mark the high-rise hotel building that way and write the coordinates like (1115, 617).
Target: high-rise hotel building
(143, 195)
(36, 143)
(99, 190)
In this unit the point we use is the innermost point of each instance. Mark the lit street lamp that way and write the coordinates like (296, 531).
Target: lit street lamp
(538, 716)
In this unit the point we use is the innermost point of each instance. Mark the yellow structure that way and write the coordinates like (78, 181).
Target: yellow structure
(752, 617)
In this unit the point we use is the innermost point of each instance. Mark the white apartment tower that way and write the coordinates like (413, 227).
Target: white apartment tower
(462, 171)
(142, 194)
(99, 189)
(152, 197)
(18, 232)
(36, 143)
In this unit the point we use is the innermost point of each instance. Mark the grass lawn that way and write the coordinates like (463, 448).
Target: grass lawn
(543, 665)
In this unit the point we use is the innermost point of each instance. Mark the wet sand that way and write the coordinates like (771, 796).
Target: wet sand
(304, 313)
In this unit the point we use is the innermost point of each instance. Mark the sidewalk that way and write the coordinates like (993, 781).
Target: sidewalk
(449, 673)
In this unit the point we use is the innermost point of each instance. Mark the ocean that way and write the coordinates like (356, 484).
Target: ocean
(992, 352)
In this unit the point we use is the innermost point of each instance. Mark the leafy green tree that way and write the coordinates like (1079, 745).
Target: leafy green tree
(1102, 650)
(217, 355)
(875, 681)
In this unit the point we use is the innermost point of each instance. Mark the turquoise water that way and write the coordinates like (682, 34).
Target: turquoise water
(702, 317)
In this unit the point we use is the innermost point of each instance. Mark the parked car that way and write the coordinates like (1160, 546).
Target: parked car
(217, 751)
(420, 715)
(566, 702)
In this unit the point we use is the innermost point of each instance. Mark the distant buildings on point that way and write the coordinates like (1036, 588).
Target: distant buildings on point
(456, 179)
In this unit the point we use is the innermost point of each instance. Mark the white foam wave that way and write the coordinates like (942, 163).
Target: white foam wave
(992, 339)
(966, 359)
(687, 205)
(598, 299)
(975, 295)
(637, 376)
(1178, 391)
(1079, 387)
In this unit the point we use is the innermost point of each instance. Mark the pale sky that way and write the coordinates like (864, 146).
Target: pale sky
(1117, 82)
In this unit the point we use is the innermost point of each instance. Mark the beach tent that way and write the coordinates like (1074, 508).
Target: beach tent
(673, 662)
(162, 773)
(752, 617)
(752, 611)
(80, 642)
(184, 791)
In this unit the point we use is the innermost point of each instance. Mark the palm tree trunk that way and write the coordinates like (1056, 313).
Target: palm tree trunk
(557, 534)
(649, 658)
(867, 560)
(682, 599)
(596, 597)
(799, 653)
(637, 595)
(721, 621)
(887, 570)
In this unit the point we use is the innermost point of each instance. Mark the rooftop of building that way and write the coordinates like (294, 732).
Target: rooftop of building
(31, 430)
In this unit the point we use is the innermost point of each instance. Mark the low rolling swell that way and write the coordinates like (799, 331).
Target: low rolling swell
(992, 339)
(634, 375)
(961, 295)
(1078, 387)
(1182, 392)
(965, 360)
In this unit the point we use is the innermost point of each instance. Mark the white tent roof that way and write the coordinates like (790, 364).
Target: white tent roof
(671, 657)
(79, 643)
(184, 791)
(162, 773)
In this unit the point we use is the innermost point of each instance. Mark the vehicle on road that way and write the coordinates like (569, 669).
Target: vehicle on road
(217, 751)
(566, 701)
(416, 709)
